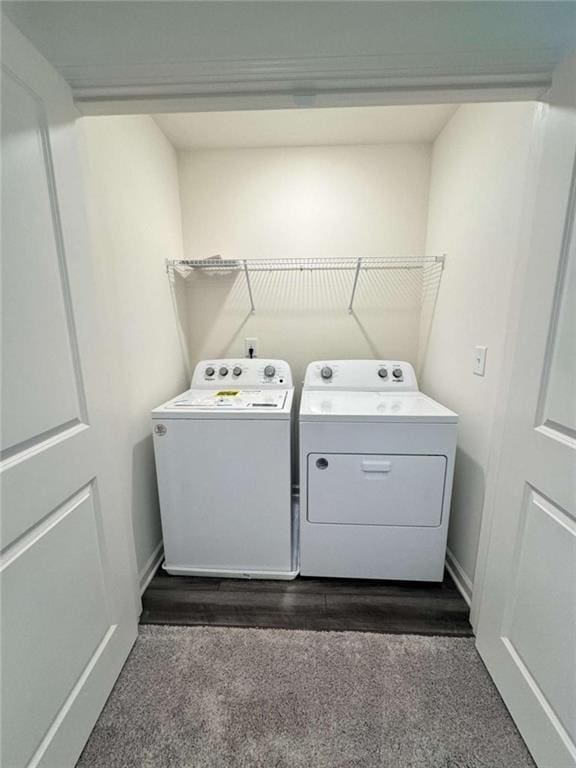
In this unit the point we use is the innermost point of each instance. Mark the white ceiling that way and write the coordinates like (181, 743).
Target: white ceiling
(110, 34)
(119, 53)
(306, 127)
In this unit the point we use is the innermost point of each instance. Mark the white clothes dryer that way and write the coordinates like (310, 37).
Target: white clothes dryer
(223, 465)
(376, 468)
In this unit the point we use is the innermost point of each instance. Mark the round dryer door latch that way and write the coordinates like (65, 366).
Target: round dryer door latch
(160, 429)
(322, 463)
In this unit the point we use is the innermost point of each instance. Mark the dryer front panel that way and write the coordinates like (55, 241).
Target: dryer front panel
(376, 489)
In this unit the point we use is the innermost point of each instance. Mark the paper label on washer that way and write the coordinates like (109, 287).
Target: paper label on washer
(233, 398)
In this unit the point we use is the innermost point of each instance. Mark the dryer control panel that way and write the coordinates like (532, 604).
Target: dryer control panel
(243, 373)
(363, 375)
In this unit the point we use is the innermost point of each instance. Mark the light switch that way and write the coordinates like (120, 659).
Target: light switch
(480, 360)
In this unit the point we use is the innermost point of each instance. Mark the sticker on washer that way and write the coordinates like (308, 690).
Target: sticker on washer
(232, 399)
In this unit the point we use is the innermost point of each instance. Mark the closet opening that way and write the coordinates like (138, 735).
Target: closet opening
(333, 233)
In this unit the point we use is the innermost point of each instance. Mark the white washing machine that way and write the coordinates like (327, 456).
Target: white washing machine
(376, 467)
(223, 464)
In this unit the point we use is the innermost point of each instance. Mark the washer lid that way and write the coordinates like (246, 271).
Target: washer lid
(373, 406)
(228, 402)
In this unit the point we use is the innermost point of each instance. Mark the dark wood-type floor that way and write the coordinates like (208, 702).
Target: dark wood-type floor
(307, 603)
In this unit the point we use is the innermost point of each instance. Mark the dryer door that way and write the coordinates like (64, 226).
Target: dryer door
(373, 489)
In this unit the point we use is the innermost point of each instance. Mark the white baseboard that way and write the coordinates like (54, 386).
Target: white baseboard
(461, 579)
(146, 574)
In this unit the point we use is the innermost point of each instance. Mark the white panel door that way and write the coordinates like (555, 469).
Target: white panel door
(527, 619)
(69, 610)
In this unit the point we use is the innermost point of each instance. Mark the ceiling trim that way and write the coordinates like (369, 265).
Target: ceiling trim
(306, 82)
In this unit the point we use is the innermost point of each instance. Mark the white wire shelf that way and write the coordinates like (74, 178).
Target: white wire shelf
(339, 264)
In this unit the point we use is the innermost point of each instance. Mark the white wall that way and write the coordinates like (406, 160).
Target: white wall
(134, 210)
(305, 202)
(479, 170)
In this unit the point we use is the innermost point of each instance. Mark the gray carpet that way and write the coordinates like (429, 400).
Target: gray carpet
(212, 697)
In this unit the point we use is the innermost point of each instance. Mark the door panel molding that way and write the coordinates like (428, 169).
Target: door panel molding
(43, 131)
(32, 535)
(53, 581)
(47, 744)
(554, 431)
(71, 448)
(41, 442)
(543, 702)
(563, 295)
(69, 581)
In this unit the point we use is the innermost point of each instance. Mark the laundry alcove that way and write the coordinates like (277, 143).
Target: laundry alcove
(291, 201)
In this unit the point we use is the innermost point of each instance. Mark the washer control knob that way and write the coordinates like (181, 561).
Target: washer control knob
(397, 373)
(269, 371)
(326, 372)
(383, 373)
(223, 371)
(209, 371)
(237, 370)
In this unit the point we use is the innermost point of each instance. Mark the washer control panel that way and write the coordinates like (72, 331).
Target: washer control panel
(369, 375)
(244, 372)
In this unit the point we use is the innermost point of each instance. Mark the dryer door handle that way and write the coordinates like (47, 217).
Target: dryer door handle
(372, 465)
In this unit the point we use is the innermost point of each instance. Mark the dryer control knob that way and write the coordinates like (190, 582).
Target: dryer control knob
(223, 371)
(383, 373)
(326, 372)
(397, 373)
(209, 371)
(269, 371)
(237, 371)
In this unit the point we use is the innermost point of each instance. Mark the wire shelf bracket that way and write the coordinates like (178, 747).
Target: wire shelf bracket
(249, 287)
(354, 286)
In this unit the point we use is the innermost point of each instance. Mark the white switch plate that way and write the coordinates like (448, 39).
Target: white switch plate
(250, 344)
(480, 360)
